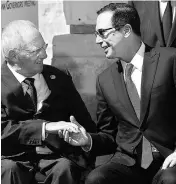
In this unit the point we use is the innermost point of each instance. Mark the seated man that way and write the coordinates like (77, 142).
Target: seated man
(136, 105)
(35, 100)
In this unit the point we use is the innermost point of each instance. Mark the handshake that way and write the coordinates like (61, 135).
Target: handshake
(72, 132)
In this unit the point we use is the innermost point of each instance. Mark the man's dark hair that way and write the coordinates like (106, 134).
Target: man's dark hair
(123, 14)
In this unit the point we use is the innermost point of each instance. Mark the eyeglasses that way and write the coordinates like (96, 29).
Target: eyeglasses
(101, 32)
(36, 52)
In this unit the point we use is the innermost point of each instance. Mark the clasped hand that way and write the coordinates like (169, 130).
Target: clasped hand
(79, 138)
(54, 127)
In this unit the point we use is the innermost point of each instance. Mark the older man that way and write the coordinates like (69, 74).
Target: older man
(35, 100)
(136, 105)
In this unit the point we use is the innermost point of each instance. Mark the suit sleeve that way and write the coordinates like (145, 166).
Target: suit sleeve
(16, 136)
(106, 126)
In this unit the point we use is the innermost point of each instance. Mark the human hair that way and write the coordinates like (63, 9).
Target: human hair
(16, 35)
(123, 14)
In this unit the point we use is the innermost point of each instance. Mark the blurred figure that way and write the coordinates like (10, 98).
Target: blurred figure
(136, 105)
(158, 22)
(35, 98)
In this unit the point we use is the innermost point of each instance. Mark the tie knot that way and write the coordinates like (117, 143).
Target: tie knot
(128, 70)
(29, 81)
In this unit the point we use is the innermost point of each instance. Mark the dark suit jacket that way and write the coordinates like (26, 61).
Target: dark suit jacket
(119, 129)
(151, 30)
(21, 127)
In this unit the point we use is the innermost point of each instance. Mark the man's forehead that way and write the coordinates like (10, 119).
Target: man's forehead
(36, 40)
(30, 34)
(104, 20)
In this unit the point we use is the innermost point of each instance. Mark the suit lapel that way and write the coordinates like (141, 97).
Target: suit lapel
(15, 88)
(50, 80)
(172, 35)
(148, 75)
(153, 8)
(122, 94)
(11, 82)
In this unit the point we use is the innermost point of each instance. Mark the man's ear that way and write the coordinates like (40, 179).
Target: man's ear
(13, 56)
(127, 29)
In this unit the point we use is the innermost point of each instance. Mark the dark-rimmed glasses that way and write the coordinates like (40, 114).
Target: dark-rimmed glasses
(101, 32)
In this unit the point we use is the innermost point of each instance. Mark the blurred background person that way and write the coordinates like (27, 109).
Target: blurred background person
(158, 22)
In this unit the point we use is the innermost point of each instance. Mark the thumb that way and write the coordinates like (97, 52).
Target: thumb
(73, 120)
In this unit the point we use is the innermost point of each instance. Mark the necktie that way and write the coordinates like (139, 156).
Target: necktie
(167, 21)
(31, 90)
(147, 156)
(131, 88)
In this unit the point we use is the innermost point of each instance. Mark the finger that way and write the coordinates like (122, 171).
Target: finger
(64, 132)
(60, 133)
(69, 139)
(73, 128)
(74, 125)
(166, 164)
(73, 120)
(62, 125)
(172, 163)
(73, 142)
(66, 136)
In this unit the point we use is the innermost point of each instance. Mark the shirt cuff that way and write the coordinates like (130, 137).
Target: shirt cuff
(89, 147)
(44, 134)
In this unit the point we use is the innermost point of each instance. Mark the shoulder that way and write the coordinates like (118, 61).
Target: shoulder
(166, 57)
(59, 72)
(164, 52)
(107, 73)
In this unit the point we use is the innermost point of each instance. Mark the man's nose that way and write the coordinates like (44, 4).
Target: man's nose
(99, 40)
(43, 54)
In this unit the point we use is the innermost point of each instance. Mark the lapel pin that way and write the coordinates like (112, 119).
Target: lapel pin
(52, 76)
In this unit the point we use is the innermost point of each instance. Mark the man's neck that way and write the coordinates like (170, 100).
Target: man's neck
(132, 49)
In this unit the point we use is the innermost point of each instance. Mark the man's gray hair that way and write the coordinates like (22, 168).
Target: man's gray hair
(16, 35)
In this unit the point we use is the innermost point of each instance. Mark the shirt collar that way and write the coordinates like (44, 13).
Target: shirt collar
(137, 60)
(18, 76)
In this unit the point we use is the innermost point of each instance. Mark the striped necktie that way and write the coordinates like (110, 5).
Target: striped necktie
(31, 91)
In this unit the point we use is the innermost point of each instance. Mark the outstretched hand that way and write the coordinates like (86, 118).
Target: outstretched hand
(80, 138)
(54, 127)
(170, 161)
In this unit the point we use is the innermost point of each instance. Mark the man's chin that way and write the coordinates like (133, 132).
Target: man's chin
(109, 56)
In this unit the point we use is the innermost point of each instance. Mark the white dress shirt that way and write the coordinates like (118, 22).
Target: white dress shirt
(136, 74)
